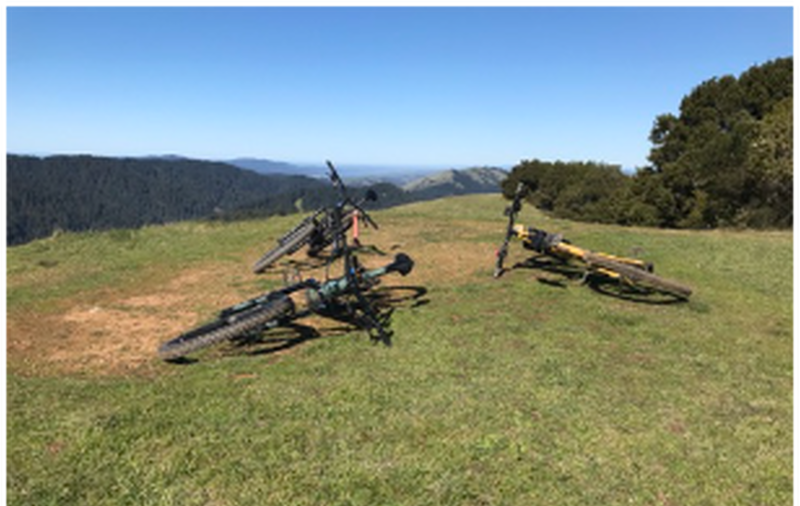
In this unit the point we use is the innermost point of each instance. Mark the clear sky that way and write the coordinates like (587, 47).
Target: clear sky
(451, 87)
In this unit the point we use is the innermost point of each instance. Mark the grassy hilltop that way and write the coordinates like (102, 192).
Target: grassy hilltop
(530, 389)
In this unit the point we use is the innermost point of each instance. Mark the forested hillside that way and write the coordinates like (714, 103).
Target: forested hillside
(86, 192)
(725, 160)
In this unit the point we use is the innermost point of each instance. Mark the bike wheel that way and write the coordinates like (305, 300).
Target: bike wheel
(222, 330)
(288, 245)
(640, 277)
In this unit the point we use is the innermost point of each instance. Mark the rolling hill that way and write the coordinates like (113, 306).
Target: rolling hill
(457, 182)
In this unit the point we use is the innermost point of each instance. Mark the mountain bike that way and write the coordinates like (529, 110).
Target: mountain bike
(630, 272)
(340, 297)
(318, 230)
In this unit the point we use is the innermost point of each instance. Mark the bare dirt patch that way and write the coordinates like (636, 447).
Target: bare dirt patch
(117, 333)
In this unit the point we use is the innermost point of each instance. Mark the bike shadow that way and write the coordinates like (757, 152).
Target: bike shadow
(277, 340)
(398, 296)
(566, 272)
(570, 274)
(384, 301)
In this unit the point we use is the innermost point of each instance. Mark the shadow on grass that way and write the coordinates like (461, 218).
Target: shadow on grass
(383, 302)
(568, 273)
(281, 339)
(398, 296)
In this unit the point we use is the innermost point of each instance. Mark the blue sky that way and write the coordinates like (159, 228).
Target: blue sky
(450, 87)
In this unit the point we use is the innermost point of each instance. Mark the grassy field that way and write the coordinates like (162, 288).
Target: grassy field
(528, 390)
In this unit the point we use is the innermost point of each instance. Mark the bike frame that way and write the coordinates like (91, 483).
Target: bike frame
(355, 278)
(555, 246)
(320, 294)
(322, 228)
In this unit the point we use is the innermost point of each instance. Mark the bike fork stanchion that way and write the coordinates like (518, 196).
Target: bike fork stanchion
(356, 217)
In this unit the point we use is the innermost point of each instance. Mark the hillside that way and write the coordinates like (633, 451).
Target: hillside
(528, 389)
(78, 193)
(356, 174)
(457, 182)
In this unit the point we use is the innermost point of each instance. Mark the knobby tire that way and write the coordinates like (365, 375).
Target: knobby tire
(640, 277)
(297, 240)
(222, 330)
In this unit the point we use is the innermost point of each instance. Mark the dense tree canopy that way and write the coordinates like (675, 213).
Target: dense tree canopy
(725, 160)
(575, 190)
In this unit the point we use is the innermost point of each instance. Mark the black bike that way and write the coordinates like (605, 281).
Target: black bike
(318, 231)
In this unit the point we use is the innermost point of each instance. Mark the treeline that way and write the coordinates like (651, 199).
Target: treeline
(78, 193)
(725, 160)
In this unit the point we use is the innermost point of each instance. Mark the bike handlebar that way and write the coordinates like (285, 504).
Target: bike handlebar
(345, 199)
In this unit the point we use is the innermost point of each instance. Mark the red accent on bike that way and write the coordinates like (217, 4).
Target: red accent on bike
(355, 225)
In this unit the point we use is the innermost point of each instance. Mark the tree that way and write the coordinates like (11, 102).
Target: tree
(770, 161)
(584, 191)
(714, 157)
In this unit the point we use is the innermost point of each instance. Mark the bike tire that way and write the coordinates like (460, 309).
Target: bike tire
(289, 245)
(222, 330)
(640, 277)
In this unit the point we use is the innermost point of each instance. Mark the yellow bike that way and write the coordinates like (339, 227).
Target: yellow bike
(630, 272)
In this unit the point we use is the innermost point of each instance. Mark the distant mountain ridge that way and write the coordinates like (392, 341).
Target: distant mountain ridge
(265, 166)
(457, 182)
(353, 174)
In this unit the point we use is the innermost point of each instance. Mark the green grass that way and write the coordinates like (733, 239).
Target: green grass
(507, 392)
